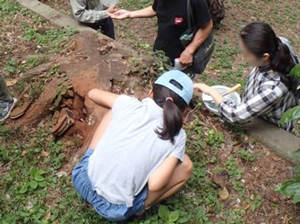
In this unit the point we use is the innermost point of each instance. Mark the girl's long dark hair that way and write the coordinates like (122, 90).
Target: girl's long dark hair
(172, 111)
(259, 38)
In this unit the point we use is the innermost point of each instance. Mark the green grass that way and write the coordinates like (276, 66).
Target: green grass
(29, 31)
(32, 192)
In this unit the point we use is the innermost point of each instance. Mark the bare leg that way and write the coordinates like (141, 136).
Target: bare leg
(181, 174)
(101, 129)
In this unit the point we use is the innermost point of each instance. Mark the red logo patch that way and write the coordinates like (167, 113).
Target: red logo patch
(178, 20)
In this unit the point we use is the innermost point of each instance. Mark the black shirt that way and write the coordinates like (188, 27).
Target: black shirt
(172, 23)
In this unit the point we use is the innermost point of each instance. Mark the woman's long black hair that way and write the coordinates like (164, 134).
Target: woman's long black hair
(259, 38)
(173, 107)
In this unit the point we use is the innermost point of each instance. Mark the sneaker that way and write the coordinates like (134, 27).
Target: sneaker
(6, 107)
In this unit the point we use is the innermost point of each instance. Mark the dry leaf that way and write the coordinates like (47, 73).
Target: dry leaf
(285, 220)
(44, 153)
(24, 153)
(276, 158)
(247, 207)
(221, 177)
(47, 216)
(224, 194)
(61, 173)
(11, 82)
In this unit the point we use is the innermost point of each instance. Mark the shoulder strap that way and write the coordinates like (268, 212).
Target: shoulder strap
(190, 15)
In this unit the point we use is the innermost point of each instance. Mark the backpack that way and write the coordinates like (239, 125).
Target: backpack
(217, 11)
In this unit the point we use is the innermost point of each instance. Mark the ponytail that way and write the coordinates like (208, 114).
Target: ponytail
(173, 106)
(283, 62)
(259, 38)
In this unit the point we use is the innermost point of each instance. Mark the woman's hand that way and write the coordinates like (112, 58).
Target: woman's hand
(121, 14)
(186, 58)
(203, 88)
(218, 98)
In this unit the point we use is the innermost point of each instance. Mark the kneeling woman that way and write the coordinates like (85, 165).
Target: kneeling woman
(270, 91)
(137, 155)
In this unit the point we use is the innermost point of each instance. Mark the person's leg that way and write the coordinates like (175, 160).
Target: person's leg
(181, 175)
(7, 102)
(107, 27)
(4, 94)
(101, 129)
(95, 26)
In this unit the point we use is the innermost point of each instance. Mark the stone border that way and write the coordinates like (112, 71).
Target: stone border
(281, 142)
(53, 15)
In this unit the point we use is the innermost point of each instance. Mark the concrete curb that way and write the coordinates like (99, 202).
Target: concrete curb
(53, 16)
(283, 143)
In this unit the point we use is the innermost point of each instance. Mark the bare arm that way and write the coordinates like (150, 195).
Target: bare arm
(186, 57)
(162, 175)
(103, 98)
(143, 13)
(200, 37)
(218, 98)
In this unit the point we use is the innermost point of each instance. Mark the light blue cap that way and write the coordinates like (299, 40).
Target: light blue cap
(181, 78)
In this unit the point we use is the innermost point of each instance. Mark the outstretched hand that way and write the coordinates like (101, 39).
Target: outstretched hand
(218, 98)
(121, 14)
(203, 88)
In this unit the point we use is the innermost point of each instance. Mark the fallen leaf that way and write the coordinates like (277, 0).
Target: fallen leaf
(29, 205)
(11, 82)
(224, 194)
(44, 153)
(247, 207)
(276, 158)
(221, 177)
(285, 220)
(24, 153)
(7, 197)
(61, 173)
(47, 216)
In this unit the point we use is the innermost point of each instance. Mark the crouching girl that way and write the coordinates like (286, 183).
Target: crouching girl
(137, 155)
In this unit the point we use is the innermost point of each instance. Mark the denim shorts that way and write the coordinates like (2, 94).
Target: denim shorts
(107, 210)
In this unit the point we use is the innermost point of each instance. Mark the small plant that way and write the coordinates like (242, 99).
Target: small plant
(294, 113)
(291, 188)
(255, 202)
(36, 180)
(215, 139)
(11, 66)
(246, 155)
(167, 216)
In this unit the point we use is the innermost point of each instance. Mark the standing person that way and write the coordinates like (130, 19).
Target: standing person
(137, 155)
(7, 102)
(270, 91)
(94, 14)
(172, 24)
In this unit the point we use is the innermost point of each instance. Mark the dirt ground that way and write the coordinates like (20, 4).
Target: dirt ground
(108, 67)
